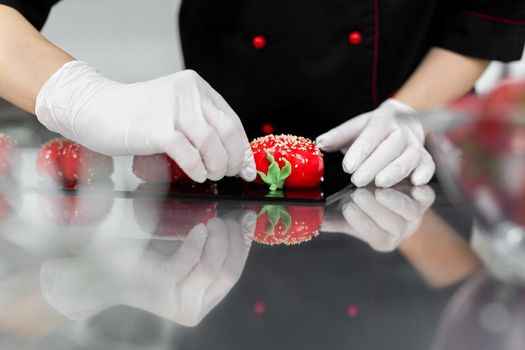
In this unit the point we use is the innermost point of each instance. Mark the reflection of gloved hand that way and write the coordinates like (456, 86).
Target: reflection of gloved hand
(182, 286)
(383, 218)
(211, 263)
(386, 144)
(180, 114)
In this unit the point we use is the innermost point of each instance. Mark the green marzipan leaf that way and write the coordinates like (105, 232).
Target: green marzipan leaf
(275, 194)
(278, 185)
(274, 172)
(271, 158)
(263, 176)
(286, 170)
(275, 177)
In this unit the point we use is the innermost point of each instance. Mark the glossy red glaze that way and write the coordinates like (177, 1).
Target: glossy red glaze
(259, 42)
(304, 156)
(355, 38)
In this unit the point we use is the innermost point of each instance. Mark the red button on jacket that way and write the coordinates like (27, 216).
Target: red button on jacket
(267, 129)
(355, 38)
(259, 42)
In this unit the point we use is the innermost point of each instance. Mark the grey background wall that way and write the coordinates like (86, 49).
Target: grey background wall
(129, 40)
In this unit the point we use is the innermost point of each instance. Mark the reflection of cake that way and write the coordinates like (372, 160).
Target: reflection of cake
(288, 225)
(79, 209)
(9, 156)
(66, 161)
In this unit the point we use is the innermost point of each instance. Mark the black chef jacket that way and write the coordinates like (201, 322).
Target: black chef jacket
(305, 66)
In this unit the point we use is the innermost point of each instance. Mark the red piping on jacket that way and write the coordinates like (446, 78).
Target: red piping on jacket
(494, 18)
(375, 64)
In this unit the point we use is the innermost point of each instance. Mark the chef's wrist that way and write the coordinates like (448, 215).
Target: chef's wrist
(398, 106)
(65, 93)
(410, 116)
(27, 59)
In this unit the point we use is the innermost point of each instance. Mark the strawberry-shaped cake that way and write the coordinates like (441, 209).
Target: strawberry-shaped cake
(287, 161)
(70, 163)
(9, 156)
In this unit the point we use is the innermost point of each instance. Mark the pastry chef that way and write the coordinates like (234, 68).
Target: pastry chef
(358, 70)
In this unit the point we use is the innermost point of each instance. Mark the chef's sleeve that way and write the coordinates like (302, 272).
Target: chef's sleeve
(488, 29)
(35, 11)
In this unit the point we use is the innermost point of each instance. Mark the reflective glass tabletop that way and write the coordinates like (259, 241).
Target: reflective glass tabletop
(116, 265)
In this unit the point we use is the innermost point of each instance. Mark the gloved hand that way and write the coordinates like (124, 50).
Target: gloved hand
(383, 218)
(386, 144)
(179, 114)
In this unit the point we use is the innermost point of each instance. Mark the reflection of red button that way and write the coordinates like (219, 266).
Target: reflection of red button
(352, 310)
(259, 42)
(267, 129)
(355, 38)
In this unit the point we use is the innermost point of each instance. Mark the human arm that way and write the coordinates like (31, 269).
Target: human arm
(179, 114)
(387, 144)
(443, 76)
(27, 59)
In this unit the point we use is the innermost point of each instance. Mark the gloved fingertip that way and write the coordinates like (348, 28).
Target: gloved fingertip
(383, 182)
(216, 176)
(321, 141)
(199, 177)
(248, 173)
(349, 166)
(248, 170)
(420, 178)
(327, 142)
(359, 181)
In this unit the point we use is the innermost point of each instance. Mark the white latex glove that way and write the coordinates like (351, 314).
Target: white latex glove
(179, 114)
(383, 218)
(386, 144)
